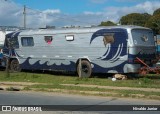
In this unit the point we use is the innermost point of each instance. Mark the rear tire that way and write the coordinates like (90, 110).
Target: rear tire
(14, 66)
(86, 69)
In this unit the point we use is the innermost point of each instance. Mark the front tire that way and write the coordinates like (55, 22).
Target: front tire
(86, 70)
(14, 66)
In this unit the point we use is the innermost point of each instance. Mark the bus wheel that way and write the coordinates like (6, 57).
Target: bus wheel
(14, 66)
(86, 70)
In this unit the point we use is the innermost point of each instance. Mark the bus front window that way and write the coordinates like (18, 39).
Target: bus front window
(142, 37)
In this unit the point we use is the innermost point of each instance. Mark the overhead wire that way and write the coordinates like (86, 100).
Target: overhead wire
(65, 16)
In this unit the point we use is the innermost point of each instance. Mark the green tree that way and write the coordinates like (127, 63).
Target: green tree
(156, 12)
(154, 23)
(135, 19)
(108, 23)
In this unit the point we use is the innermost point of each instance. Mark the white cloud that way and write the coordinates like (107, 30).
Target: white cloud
(12, 14)
(115, 13)
(49, 11)
(9, 13)
(92, 13)
(148, 6)
(38, 19)
(90, 18)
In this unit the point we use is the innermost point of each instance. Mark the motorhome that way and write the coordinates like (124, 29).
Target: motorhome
(113, 49)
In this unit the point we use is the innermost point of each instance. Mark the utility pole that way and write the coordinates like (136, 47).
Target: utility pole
(24, 13)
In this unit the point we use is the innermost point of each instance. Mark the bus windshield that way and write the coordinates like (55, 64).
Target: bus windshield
(143, 37)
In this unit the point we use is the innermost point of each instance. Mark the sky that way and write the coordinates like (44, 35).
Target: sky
(59, 13)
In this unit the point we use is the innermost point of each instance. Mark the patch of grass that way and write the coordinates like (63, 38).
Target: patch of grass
(7, 74)
(27, 88)
(146, 80)
(54, 82)
(52, 79)
(100, 91)
(56, 86)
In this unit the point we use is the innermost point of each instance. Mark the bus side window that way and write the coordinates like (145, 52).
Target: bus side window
(108, 39)
(69, 38)
(48, 39)
(27, 41)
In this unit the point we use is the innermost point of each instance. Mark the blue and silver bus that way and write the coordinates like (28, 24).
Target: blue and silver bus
(113, 49)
